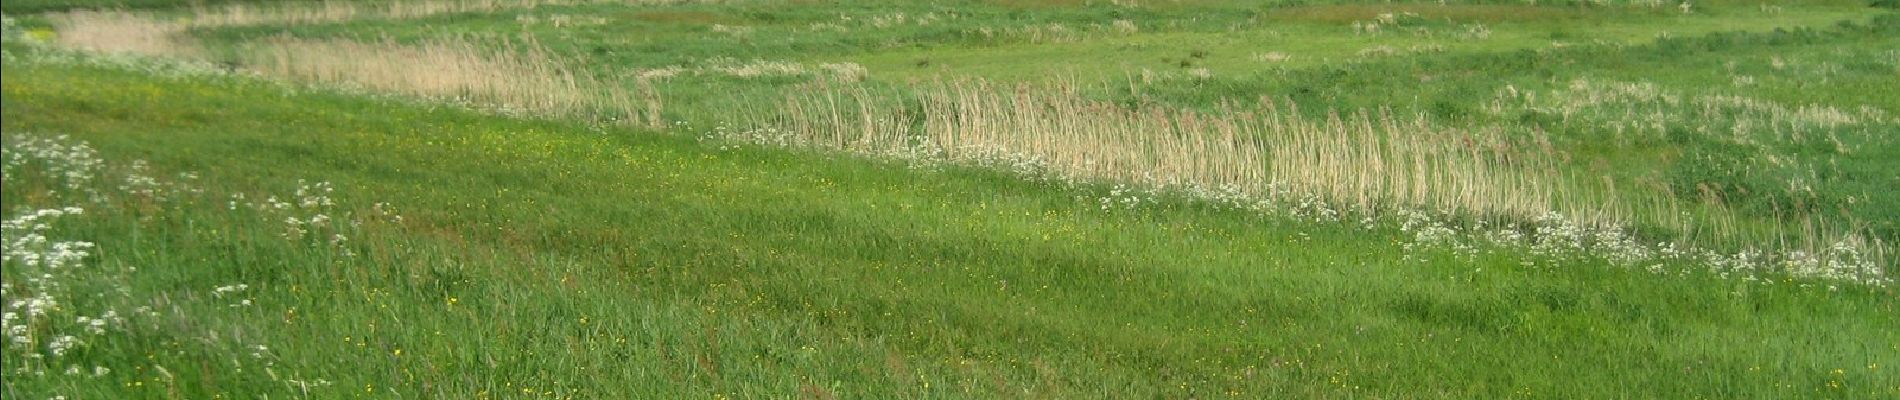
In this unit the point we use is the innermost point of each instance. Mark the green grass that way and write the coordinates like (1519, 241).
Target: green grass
(558, 260)
(1441, 69)
(572, 259)
(900, 42)
(1828, 68)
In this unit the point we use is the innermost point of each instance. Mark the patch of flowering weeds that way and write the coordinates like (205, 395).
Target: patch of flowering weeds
(41, 321)
(75, 165)
(82, 176)
(310, 215)
(1554, 239)
(51, 311)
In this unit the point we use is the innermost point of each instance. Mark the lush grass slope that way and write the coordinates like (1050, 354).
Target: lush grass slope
(1453, 63)
(254, 239)
(549, 259)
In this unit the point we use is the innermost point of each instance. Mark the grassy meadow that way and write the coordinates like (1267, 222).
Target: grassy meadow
(975, 199)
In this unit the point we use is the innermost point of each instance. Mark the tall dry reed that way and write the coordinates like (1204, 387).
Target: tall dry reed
(523, 79)
(512, 78)
(122, 32)
(238, 14)
(1369, 160)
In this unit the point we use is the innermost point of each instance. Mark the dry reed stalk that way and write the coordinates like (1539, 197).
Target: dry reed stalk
(239, 14)
(322, 12)
(121, 32)
(1366, 160)
(143, 33)
(525, 79)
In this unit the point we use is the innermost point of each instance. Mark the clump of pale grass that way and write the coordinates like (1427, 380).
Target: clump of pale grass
(1367, 159)
(561, 20)
(301, 13)
(1272, 57)
(326, 12)
(513, 78)
(729, 67)
(1363, 161)
(1036, 33)
(121, 32)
